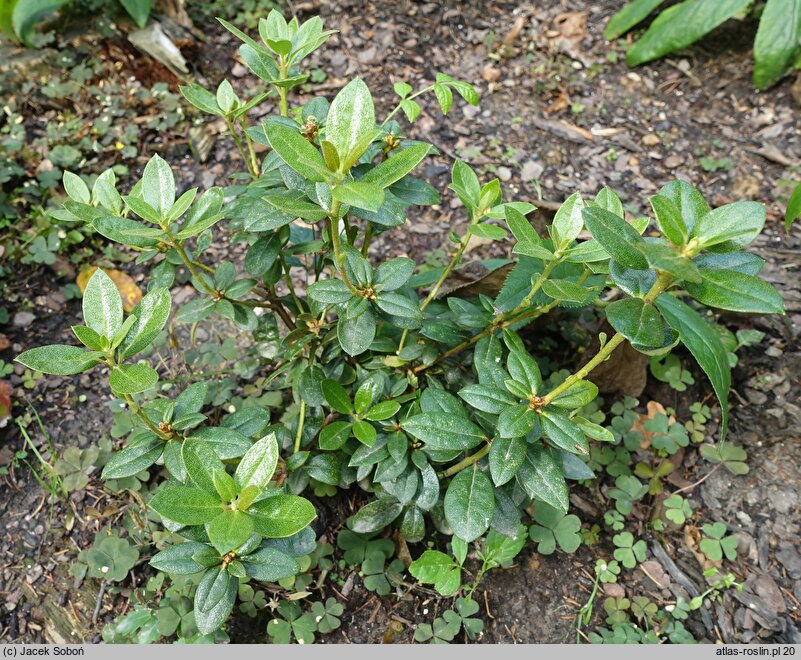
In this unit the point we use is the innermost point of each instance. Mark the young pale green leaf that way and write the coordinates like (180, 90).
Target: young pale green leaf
(505, 458)
(186, 505)
(669, 219)
(356, 334)
(181, 205)
(214, 599)
(151, 314)
(351, 118)
(441, 430)
(608, 200)
(637, 321)
(737, 223)
(578, 395)
(280, 516)
(201, 98)
(437, 568)
(89, 338)
(465, 184)
(617, 237)
(704, 344)
(59, 359)
(469, 504)
(177, 559)
(158, 186)
(102, 305)
(395, 168)
(738, 292)
(296, 151)
(76, 188)
(337, 397)
(229, 530)
(632, 13)
(132, 378)
(375, 516)
(690, 203)
(226, 488)
(258, 464)
(359, 194)
(681, 25)
(564, 433)
(568, 221)
(793, 208)
(200, 463)
(662, 257)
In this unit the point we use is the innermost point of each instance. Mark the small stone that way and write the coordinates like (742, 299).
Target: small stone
(504, 173)
(491, 74)
(766, 588)
(23, 319)
(614, 590)
(674, 161)
(790, 559)
(531, 170)
(650, 140)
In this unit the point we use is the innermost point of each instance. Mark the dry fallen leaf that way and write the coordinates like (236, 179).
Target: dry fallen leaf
(130, 292)
(572, 24)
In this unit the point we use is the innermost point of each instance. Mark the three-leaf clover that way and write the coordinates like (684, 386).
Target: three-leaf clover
(677, 509)
(716, 544)
(629, 552)
(553, 527)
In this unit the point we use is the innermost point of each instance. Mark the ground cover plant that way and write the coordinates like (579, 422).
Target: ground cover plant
(434, 406)
(777, 45)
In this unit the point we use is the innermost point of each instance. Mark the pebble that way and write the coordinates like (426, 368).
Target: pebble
(23, 319)
(650, 140)
(504, 173)
(790, 559)
(531, 170)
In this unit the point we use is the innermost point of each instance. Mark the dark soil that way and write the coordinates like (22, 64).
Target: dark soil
(555, 109)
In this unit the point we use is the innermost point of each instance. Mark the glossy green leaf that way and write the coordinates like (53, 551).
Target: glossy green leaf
(59, 359)
(487, 398)
(334, 435)
(669, 219)
(633, 12)
(133, 458)
(578, 395)
(564, 433)
(690, 203)
(177, 559)
(505, 458)
(102, 304)
(617, 237)
(704, 344)
(568, 221)
(541, 476)
(185, 504)
(280, 516)
(151, 315)
(441, 430)
(637, 321)
(270, 565)
(132, 378)
(258, 464)
(360, 195)
(738, 292)
(296, 151)
(793, 209)
(337, 397)
(778, 41)
(351, 119)
(397, 166)
(516, 421)
(375, 516)
(229, 530)
(681, 25)
(214, 599)
(738, 223)
(158, 186)
(356, 334)
(469, 504)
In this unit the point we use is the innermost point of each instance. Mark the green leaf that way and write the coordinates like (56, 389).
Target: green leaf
(375, 516)
(778, 41)
(681, 25)
(280, 516)
(258, 464)
(738, 223)
(151, 315)
(793, 208)
(356, 334)
(578, 395)
(134, 457)
(397, 166)
(337, 397)
(59, 359)
(102, 305)
(351, 118)
(383, 410)
(296, 151)
(329, 292)
(516, 421)
(690, 203)
(393, 274)
(333, 436)
(229, 530)
(201, 462)
(487, 398)
(403, 312)
(633, 12)
(177, 559)
(185, 504)
(505, 458)
(138, 10)
(270, 564)
(541, 476)
(27, 13)
(359, 194)
(132, 378)
(617, 237)
(565, 290)
(441, 430)
(126, 231)
(568, 221)
(76, 188)
(158, 186)
(469, 504)
(637, 321)
(662, 257)
(201, 98)
(437, 568)
(669, 219)
(524, 369)
(364, 432)
(465, 184)
(564, 433)
(214, 599)
(227, 443)
(735, 291)
(704, 344)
